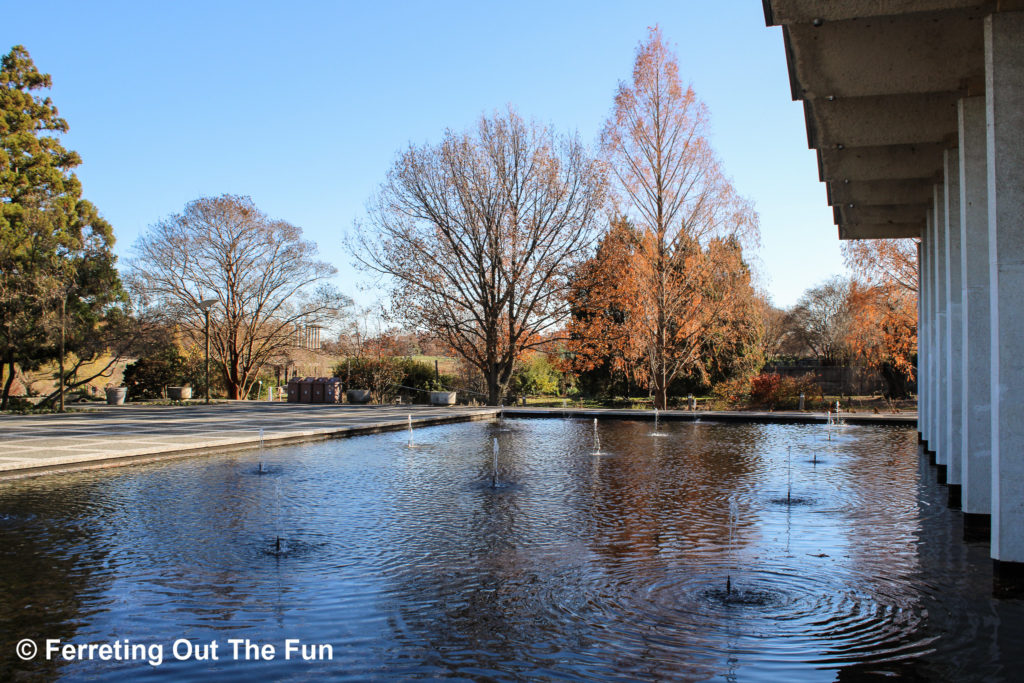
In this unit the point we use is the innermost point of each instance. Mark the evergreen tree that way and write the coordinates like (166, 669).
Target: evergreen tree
(54, 246)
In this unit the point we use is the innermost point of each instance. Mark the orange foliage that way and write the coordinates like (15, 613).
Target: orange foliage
(883, 302)
(883, 325)
(634, 318)
(884, 261)
(684, 273)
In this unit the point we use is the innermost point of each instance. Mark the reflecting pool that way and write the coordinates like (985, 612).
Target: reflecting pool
(720, 551)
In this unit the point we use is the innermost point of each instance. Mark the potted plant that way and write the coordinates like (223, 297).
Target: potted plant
(439, 396)
(179, 393)
(358, 395)
(116, 395)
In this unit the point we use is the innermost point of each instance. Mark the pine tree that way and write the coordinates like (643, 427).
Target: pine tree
(57, 270)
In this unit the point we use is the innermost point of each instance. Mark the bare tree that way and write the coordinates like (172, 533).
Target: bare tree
(775, 339)
(691, 224)
(478, 236)
(821, 319)
(267, 282)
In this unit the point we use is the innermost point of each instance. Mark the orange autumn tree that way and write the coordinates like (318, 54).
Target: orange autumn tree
(690, 224)
(889, 262)
(883, 305)
(601, 294)
(722, 330)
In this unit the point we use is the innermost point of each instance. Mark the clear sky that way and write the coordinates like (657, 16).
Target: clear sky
(303, 105)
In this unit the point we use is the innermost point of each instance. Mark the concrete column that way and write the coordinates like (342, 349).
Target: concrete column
(1004, 115)
(932, 339)
(924, 384)
(976, 361)
(952, 363)
(922, 345)
(941, 412)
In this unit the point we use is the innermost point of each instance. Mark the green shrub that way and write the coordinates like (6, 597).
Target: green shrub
(147, 377)
(536, 376)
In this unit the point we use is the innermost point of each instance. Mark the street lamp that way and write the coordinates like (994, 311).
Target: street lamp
(205, 305)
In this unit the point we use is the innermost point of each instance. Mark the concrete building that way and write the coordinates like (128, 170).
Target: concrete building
(916, 110)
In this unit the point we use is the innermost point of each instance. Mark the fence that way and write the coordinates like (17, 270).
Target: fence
(835, 379)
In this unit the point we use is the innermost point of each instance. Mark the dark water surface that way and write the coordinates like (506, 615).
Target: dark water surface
(602, 567)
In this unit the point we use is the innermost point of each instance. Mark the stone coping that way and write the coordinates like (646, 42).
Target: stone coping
(778, 417)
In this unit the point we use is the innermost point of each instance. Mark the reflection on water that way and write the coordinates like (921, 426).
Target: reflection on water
(609, 566)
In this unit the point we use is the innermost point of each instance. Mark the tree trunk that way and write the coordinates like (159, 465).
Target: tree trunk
(9, 362)
(493, 385)
(660, 391)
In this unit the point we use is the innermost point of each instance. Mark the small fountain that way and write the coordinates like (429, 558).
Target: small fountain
(500, 427)
(739, 596)
(734, 519)
(494, 469)
(789, 475)
(412, 444)
(597, 439)
(261, 470)
(790, 500)
(657, 428)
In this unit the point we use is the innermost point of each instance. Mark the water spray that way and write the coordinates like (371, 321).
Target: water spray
(261, 470)
(788, 474)
(734, 517)
(494, 470)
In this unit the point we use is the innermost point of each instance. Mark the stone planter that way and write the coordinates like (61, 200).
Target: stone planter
(179, 393)
(442, 398)
(358, 396)
(116, 396)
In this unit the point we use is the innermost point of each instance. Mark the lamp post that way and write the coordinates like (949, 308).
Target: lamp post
(205, 305)
(63, 304)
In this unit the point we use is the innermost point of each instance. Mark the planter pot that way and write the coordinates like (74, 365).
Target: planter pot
(358, 395)
(116, 395)
(442, 398)
(179, 393)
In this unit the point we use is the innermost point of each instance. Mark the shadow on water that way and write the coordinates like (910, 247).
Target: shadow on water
(280, 548)
(738, 596)
(265, 469)
(794, 501)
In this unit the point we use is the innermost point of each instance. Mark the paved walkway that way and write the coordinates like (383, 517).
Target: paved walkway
(115, 435)
(106, 436)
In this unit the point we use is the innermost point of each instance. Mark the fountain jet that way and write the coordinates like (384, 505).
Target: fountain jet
(494, 468)
(261, 470)
(734, 517)
(789, 473)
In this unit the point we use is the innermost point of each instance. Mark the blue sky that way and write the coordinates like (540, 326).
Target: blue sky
(303, 105)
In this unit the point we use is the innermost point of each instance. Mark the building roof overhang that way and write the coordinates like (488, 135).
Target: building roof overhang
(880, 81)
